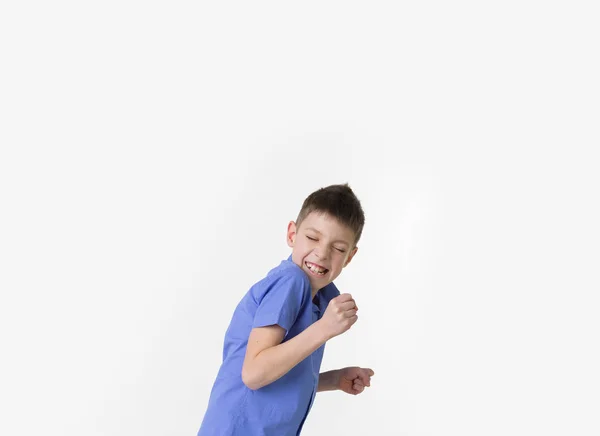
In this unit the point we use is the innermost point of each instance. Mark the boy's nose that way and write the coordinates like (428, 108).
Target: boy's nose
(322, 253)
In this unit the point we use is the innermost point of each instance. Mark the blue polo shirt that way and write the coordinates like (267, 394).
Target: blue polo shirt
(283, 297)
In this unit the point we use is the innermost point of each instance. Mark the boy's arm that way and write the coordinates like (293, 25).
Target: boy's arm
(351, 380)
(268, 359)
(328, 381)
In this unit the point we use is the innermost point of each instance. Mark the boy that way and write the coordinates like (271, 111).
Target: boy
(274, 344)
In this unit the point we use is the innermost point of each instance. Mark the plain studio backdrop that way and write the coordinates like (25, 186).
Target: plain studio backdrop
(153, 153)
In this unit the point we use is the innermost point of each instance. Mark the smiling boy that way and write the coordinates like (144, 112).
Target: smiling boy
(274, 345)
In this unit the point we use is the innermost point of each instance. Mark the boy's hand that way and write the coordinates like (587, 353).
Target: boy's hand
(353, 380)
(340, 315)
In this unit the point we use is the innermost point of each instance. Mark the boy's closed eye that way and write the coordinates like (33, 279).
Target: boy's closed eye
(341, 250)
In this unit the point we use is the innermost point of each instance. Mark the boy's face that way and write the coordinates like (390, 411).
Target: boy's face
(321, 246)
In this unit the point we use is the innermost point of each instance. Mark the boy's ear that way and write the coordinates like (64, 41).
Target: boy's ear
(291, 234)
(350, 256)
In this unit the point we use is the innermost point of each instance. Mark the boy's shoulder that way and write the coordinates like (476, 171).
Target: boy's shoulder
(287, 274)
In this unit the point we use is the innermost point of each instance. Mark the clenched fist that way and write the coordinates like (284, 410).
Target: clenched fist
(339, 316)
(353, 379)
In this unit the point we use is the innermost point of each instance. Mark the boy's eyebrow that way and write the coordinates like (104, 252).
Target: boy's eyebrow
(316, 231)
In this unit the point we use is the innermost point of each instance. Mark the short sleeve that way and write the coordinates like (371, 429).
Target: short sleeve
(281, 303)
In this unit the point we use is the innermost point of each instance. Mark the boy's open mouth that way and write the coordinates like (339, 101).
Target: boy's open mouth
(316, 269)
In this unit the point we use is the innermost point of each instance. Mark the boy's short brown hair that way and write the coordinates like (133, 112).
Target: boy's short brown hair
(339, 202)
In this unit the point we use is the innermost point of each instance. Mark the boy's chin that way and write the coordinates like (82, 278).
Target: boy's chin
(319, 283)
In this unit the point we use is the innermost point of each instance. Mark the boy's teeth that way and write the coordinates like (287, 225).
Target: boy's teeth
(316, 269)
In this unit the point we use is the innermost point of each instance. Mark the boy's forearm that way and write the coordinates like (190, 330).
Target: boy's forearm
(327, 381)
(273, 363)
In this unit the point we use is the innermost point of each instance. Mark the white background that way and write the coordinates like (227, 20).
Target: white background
(152, 154)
